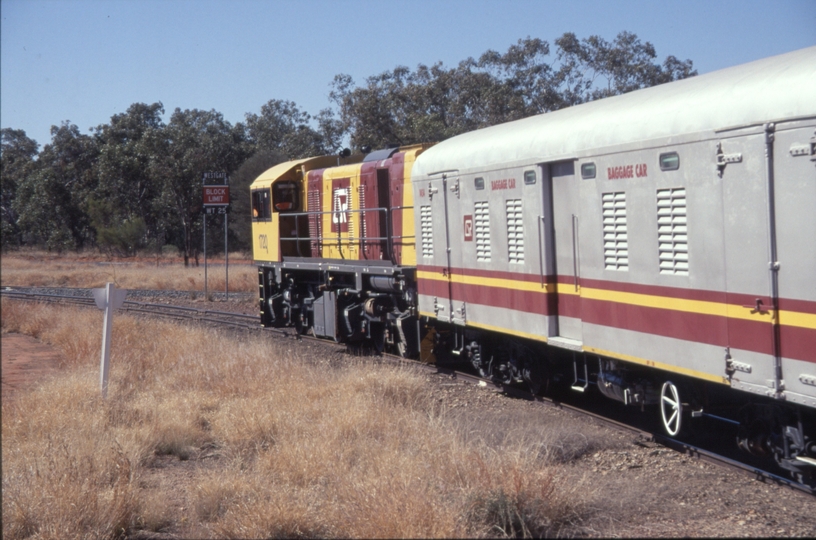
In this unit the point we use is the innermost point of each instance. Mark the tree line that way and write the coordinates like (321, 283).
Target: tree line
(135, 182)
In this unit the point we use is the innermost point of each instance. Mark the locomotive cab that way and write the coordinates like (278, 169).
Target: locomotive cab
(277, 196)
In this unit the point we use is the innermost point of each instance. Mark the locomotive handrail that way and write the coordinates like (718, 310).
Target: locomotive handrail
(541, 246)
(320, 238)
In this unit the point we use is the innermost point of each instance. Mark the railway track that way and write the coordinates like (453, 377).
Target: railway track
(83, 297)
(223, 318)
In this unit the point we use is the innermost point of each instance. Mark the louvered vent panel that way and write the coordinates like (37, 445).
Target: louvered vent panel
(672, 231)
(615, 238)
(426, 226)
(361, 198)
(315, 225)
(515, 231)
(350, 218)
(481, 222)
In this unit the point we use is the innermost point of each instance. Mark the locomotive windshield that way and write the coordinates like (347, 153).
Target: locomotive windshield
(285, 196)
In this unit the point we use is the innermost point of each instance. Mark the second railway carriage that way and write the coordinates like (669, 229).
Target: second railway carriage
(653, 241)
(658, 246)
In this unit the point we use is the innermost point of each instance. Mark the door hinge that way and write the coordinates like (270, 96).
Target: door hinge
(463, 312)
(724, 159)
(813, 147)
(740, 366)
(807, 379)
(455, 188)
(437, 306)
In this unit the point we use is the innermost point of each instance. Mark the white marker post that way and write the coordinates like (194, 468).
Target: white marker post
(108, 299)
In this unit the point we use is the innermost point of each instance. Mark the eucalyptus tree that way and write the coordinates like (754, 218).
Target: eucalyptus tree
(283, 128)
(192, 143)
(405, 106)
(123, 208)
(594, 68)
(50, 200)
(17, 153)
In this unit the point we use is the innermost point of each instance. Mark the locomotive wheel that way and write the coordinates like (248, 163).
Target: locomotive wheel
(535, 375)
(671, 408)
(301, 326)
(377, 332)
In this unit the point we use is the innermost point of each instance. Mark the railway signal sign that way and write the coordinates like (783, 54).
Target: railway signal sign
(215, 191)
(216, 195)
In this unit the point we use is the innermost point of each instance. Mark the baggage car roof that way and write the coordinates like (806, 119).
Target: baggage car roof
(771, 89)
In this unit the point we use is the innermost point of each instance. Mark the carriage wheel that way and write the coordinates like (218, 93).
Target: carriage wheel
(671, 408)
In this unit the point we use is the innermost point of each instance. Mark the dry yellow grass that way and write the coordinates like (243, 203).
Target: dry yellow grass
(33, 269)
(303, 446)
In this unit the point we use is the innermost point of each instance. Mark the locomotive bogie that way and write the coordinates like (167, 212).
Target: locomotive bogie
(344, 306)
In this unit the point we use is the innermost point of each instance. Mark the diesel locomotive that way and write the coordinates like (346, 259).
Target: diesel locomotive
(658, 248)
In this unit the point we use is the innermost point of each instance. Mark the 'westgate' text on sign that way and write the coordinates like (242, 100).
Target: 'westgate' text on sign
(216, 195)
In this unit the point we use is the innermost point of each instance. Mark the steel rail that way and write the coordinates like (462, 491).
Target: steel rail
(164, 310)
(252, 322)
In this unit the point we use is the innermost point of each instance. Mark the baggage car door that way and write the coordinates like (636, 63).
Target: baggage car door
(794, 162)
(433, 260)
(751, 360)
(564, 200)
(460, 234)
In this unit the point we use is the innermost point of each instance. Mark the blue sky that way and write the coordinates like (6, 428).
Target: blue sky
(86, 60)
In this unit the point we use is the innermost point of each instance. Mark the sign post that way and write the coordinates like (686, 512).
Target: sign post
(206, 295)
(216, 201)
(108, 299)
(226, 260)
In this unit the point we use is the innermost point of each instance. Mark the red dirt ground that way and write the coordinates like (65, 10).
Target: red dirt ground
(25, 361)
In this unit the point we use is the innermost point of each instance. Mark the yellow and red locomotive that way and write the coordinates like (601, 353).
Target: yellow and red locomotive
(335, 245)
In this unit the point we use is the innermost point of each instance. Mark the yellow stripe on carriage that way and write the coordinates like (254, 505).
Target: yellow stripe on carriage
(701, 307)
